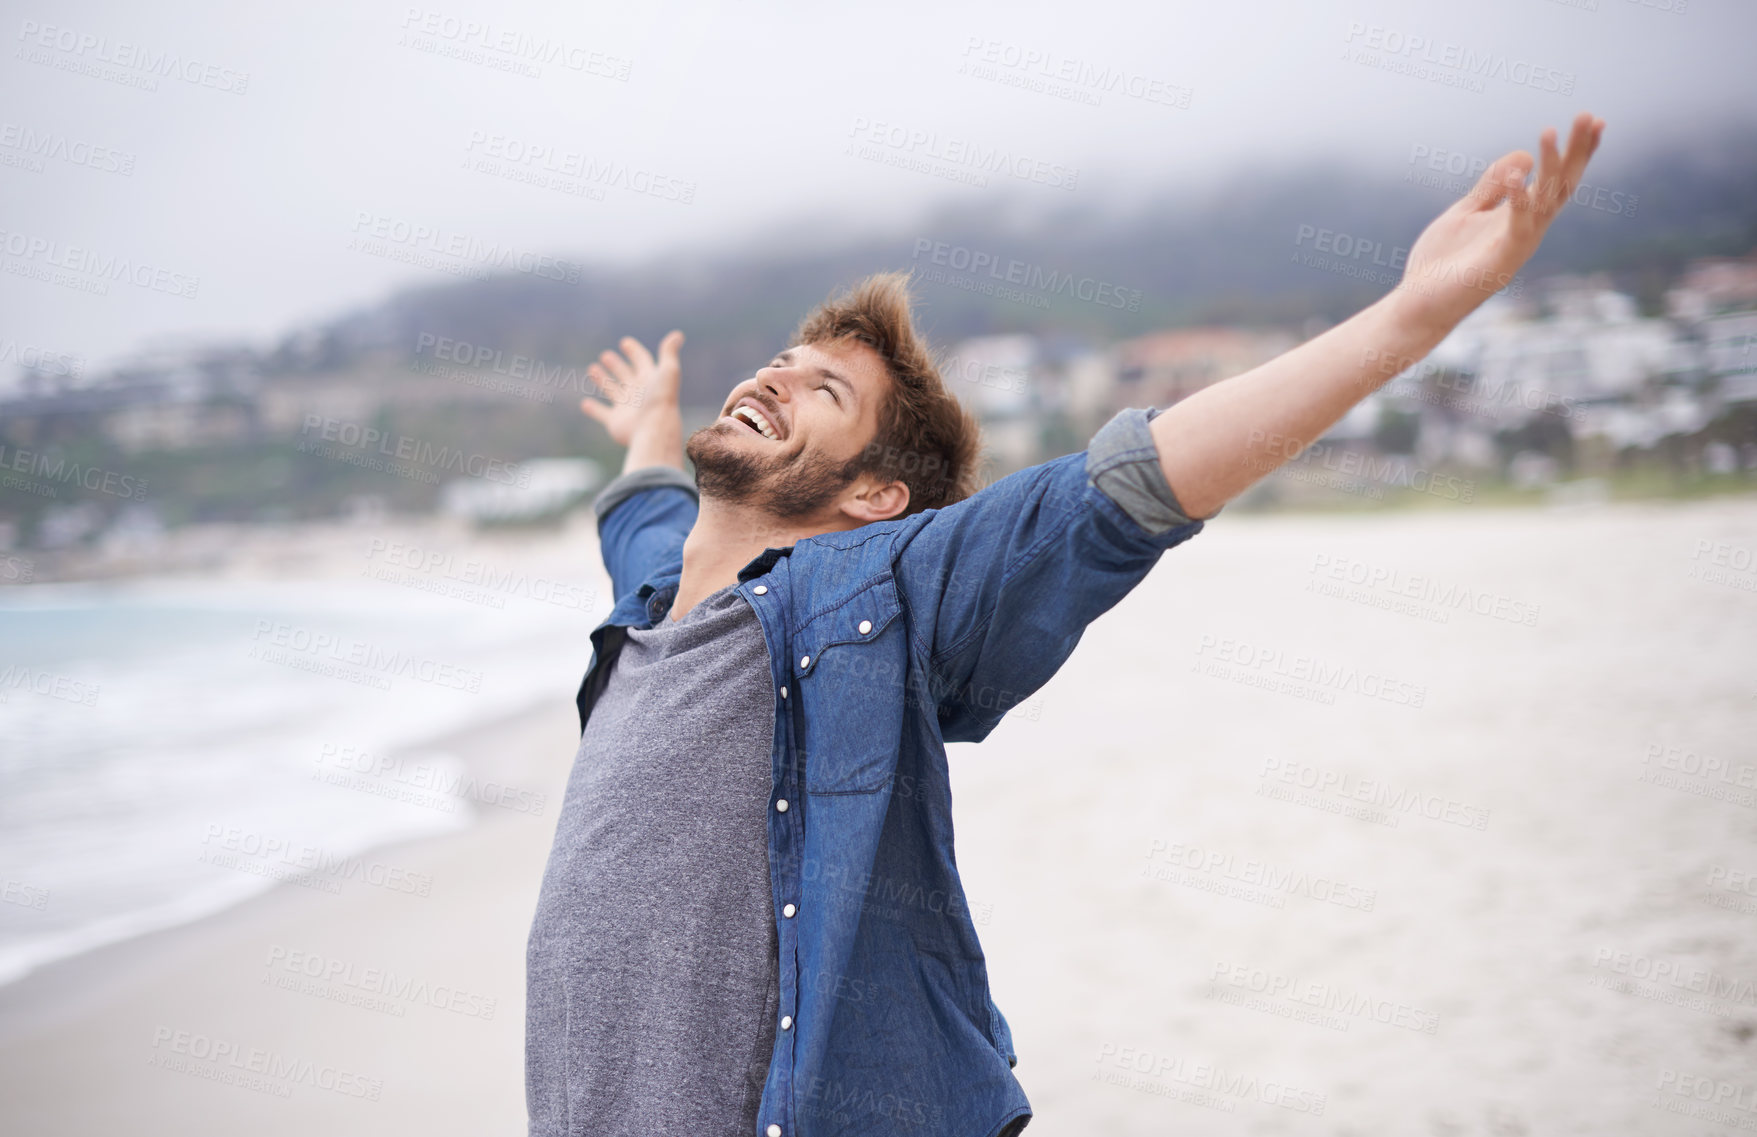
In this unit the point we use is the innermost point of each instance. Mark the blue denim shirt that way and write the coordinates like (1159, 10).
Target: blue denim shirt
(886, 642)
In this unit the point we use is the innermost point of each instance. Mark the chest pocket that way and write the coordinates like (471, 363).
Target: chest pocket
(850, 667)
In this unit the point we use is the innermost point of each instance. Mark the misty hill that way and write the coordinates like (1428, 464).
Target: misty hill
(1224, 256)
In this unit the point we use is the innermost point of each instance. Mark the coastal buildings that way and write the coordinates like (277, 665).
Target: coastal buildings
(1571, 381)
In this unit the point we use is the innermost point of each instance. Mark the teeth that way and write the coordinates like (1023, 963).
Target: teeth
(755, 418)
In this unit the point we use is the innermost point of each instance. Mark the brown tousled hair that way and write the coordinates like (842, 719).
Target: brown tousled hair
(925, 437)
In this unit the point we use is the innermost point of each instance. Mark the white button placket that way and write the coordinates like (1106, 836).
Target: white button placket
(781, 807)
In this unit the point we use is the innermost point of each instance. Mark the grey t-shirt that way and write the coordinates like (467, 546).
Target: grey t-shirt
(653, 971)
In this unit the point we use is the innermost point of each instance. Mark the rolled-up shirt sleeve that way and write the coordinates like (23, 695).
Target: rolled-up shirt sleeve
(1122, 460)
(1000, 586)
(643, 518)
(626, 485)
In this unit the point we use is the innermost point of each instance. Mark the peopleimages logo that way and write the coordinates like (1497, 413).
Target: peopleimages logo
(1467, 168)
(1157, 1070)
(422, 453)
(95, 269)
(556, 167)
(57, 468)
(1418, 51)
(1256, 873)
(317, 650)
(442, 572)
(376, 233)
(960, 159)
(49, 684)
(1343, 1002)
(33, 146)
(1065, 77)
(218, 1058)
(55, 364)
(430, 783)
(1348, 250)
(509, 49)
(332, 977)
(1397, 583)
(512, 365)
(85, 53)
(1391, 470)
(1026, 275)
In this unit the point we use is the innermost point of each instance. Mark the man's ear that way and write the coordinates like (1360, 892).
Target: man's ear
(875, 501)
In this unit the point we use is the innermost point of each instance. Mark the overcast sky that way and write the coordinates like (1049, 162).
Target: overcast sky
(278, 138)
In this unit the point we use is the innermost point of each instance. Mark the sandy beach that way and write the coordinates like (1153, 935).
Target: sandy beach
(1437, 823)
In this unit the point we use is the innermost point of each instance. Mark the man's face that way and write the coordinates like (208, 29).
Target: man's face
(820, 403)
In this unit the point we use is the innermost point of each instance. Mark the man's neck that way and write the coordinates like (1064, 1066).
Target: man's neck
(724, 539)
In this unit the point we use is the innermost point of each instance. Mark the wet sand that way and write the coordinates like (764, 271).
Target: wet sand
(1336, 825)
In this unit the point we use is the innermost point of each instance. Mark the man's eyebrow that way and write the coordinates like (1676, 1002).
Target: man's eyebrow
(853, 395)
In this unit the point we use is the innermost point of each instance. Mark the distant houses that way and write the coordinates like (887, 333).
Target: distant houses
(1571, 378)
(173, 397)
(1568, 381)
(1162, 368)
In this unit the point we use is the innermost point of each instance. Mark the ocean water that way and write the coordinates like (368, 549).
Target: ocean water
(170, 749)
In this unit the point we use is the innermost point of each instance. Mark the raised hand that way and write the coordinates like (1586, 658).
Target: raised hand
(1481, 241)
(1216, 443)
(642, 412)
(639, 388)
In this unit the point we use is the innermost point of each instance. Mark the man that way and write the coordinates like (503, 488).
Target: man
(752, 921)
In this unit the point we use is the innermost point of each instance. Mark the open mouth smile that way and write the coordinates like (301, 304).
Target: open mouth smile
(754, 418)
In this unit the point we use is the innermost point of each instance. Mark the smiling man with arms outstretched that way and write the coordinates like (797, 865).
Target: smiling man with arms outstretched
(751, 921)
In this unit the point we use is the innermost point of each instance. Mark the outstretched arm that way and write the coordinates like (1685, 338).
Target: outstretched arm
(1218, 442)
(643, 515)
(642, 413)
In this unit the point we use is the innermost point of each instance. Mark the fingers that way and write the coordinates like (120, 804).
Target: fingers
(619, 378)
(595, 410)
(616, 365)
(1561, 172)
(1549, 168)
(637, 353)
(607, 383)
(1505, 178)
(1582, 143)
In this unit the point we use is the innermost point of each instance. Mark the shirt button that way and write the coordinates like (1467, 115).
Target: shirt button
(783, 692)
(788, 910)
(804, 662)
(865, 626)
(781, 806)
(773, 1131)
(786, 1022)
(760, 589)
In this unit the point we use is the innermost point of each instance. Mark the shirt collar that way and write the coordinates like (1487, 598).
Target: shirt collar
(762, 563)
(657, 591)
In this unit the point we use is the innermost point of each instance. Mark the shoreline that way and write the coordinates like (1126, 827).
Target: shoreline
(331, 549)
(242, 973)
(1561, 838)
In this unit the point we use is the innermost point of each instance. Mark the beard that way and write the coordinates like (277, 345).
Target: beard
(788, 487)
